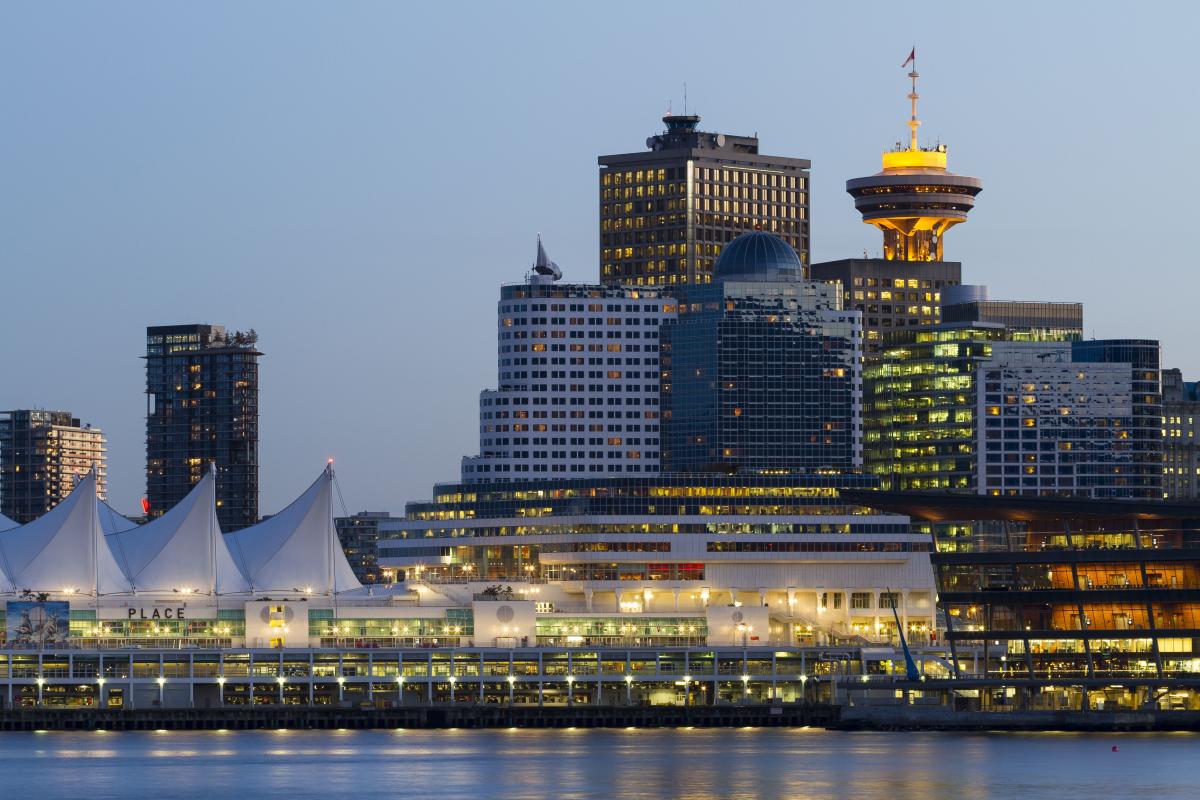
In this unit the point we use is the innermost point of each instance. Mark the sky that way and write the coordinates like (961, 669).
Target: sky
(355, 180)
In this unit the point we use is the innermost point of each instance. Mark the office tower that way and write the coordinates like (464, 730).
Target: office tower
(578, 390)
(42, 455)
(202, 408)
(666, 213)
(358, 535)
(913, 201)
(1141, 434)
(1023, 408)
(1181, 453)
(760, 370)
(890, 295)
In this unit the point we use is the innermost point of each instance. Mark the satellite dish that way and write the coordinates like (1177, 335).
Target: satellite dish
(720, 140)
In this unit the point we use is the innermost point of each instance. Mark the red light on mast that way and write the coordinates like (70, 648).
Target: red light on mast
(145, 506)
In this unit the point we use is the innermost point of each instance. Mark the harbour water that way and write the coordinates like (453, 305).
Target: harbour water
(644, 763)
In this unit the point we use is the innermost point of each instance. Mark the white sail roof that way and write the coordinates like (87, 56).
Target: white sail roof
(63, 550)
(111, 520)
(297, 549)
(181, 551)
(6, 523)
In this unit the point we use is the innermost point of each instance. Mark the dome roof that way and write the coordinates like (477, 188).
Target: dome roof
(758, 255)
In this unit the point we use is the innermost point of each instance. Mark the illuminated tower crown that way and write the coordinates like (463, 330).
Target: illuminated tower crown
(914, 200)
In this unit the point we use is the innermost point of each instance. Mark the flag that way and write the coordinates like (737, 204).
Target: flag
(912, 58)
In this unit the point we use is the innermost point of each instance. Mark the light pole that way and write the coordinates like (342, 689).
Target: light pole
(628, 690)
(687, 680)
(453, 680)
(100, 692)
(745, 688)
(399, 690)
(221, 690)
(570, 690)
(161, 681)
(281, 681)
(40, 683)
(341, 681)
(511, 682)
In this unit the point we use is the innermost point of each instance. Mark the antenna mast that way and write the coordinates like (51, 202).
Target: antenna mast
(913, 123)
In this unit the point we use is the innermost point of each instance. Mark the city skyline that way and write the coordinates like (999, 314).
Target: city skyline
(181, 176)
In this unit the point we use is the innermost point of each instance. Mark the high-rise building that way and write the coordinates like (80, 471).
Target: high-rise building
(358, 535)
(761, 369)
(666, 213)
(913, 201)
(890, 295)
(202, 407)
(42, 455)
(578, 391)
(1142, 433)
(1023, 408)
(1180, 425)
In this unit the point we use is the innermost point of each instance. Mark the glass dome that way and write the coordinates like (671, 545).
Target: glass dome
(758, 255)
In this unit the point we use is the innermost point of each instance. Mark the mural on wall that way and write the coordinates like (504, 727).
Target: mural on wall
(36, 623)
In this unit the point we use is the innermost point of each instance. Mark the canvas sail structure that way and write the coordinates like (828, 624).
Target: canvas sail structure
(182, 551)
(6, 523)
(63, 551)
(111, 520)
(297, 549)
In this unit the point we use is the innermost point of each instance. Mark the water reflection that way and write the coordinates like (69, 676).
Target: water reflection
(694, 764)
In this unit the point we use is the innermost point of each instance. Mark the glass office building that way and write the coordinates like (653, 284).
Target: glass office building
(1066, 603)
(996, 408)
(760, 371)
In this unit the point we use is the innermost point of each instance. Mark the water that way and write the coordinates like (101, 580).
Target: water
(748, 763)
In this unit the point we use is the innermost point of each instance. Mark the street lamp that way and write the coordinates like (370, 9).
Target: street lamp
(161, 681)
(281, 680)
(40, 683)
(221, 688)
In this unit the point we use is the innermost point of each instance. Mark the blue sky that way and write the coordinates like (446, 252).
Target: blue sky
(354, 180)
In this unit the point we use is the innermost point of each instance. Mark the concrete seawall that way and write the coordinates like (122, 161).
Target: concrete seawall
(918, 718)
(465, 716)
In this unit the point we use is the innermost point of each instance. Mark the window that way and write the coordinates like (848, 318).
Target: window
(860, 600)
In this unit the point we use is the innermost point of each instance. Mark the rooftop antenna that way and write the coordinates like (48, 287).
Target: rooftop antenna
(685, 98)
(913, 123)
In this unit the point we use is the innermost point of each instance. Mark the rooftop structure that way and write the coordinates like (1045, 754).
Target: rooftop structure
(914, 200)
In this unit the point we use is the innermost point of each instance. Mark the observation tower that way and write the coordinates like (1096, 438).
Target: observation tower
(915, 199)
